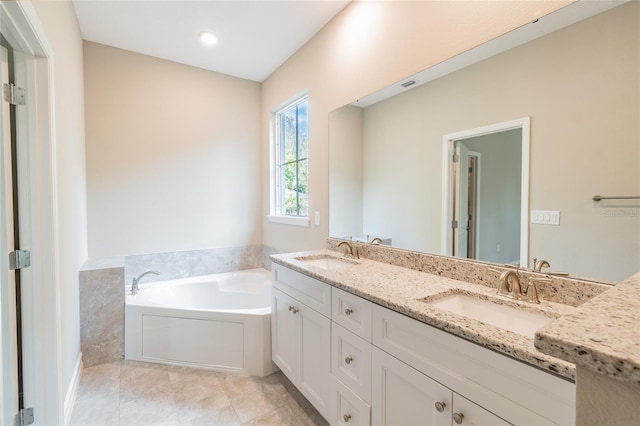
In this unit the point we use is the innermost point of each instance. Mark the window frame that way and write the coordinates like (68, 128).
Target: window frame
(276, 184)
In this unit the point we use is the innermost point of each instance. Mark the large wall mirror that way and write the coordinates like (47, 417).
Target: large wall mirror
(577, 88)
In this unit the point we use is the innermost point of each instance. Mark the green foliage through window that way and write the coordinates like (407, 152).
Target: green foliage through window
(292, 127)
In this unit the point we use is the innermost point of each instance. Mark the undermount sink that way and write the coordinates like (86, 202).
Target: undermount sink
(502, 316)
(327, 262)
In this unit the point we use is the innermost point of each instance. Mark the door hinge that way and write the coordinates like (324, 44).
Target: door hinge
(456, 158)
(454, 224)
(13, 94)
(19, 259)
(25, 417)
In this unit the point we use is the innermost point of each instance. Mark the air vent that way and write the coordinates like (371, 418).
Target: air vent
(408, 83)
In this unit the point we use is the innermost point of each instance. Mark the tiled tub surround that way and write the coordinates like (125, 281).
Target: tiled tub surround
(400, 287)
(102, 281)
(602, 335)
(102, 311)
(193, 263)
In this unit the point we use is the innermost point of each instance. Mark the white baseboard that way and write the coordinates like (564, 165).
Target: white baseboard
(72, 391)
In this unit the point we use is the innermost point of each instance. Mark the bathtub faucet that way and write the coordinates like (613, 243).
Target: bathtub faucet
(136, 280)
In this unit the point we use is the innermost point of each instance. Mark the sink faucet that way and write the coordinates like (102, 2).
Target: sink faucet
(136, 280)
(539, 264)
(376, 241)
(510, 284)
(349, 250)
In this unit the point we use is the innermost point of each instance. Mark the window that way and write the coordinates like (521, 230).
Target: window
(291, 165)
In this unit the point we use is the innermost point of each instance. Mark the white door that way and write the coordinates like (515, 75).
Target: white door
(8, 336)
(285, 332)
(402, 395)
(461, 201)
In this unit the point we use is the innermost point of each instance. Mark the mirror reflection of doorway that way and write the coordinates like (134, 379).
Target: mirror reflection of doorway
(465, 206)
(486, 201)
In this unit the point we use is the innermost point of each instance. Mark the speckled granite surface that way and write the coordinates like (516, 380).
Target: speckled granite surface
(566, 290)
(602, 335)
(400, 289)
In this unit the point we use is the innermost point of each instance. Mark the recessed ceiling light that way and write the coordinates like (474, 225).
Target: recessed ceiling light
(208, 38)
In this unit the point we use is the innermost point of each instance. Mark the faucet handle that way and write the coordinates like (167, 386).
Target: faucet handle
(532, 293)
(532, 290)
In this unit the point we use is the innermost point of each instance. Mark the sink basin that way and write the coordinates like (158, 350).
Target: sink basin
(327, 262)
(502, 316)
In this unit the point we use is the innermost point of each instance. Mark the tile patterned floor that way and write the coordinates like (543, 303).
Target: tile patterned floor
(134, 393)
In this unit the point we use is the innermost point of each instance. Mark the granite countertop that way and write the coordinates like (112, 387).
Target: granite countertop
(400, 289)
(602, 335)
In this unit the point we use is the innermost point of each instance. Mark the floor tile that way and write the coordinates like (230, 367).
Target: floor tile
(130, 393)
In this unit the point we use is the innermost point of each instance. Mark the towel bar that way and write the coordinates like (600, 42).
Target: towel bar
(599, 197)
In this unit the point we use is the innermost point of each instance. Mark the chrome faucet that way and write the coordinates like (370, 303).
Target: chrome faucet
(136, 280)
(539, 264)
(349, 250)
(376, 241)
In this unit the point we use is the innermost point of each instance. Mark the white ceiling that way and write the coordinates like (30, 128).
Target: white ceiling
(255, 37)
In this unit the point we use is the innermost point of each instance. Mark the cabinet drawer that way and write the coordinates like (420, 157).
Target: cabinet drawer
(490, 379)
(351, 361)
(351, 312)
(350, 410)
(311, 292)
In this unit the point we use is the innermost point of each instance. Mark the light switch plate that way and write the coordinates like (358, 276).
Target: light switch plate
(545, 217)
(316, 219)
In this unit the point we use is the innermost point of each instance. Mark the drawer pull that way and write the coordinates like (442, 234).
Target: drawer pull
(348, 359)
(440, 406)
(458, 418)
(293, 309)
(347, 417)
(348, 311)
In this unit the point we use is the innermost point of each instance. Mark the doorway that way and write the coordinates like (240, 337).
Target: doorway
(466, 201)
(9, 231)
(39, 286)
(485, 193)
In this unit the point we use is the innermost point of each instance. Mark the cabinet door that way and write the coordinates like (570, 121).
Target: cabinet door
(285, 333)
(467, 413)
(402, 395)
(315, 359)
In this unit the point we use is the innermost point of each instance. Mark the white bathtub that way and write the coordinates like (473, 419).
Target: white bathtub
(220, 322)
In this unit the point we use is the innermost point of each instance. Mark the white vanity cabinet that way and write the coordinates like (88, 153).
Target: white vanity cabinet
(359, 363)
(301, 334)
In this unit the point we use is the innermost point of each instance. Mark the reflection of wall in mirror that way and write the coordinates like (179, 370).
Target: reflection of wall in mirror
(580, 87)
(345, 180)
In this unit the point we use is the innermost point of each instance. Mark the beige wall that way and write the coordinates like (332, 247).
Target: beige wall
(580, 87)
(59, 22)
(172, 155)
(370, 45)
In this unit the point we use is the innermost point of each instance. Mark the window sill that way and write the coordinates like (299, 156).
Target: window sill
(289, 220)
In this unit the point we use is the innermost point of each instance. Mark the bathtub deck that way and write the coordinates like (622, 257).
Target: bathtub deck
(137, 393)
